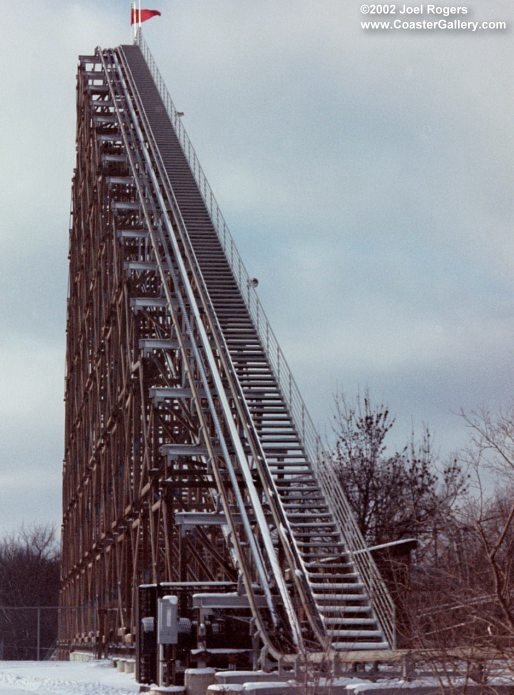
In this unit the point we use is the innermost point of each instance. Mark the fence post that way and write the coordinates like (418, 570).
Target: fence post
(38, 639)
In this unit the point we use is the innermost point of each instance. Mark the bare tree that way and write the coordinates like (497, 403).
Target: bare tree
(463, 605)
(491, 518)
(393, 495)
(491, 442)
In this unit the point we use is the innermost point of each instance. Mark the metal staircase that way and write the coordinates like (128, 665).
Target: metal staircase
(288, 525)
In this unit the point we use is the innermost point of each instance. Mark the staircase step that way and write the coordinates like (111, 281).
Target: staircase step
(342, 609)
(360, 645)
(338, 586)
(349, 621)
(355, 633)
(333, 577)
(346, 597)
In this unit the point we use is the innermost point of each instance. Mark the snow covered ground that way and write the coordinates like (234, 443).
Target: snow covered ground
(64, 678)
(100, 678)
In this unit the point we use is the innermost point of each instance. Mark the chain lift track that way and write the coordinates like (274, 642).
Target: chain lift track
(181, 412)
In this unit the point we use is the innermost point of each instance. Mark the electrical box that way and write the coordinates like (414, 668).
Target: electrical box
(148, 624)
(167, 620)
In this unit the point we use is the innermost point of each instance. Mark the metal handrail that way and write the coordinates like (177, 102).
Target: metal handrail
(322, 465)
(296, 564)
(380, 597)
(181, 272)
(277, 359)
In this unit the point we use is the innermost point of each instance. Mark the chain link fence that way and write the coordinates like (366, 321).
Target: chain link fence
(28, 632)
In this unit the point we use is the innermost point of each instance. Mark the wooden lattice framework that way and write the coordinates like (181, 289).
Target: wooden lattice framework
(119, 491)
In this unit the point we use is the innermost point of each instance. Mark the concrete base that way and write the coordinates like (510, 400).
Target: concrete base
(273, 688)
(130, 666)
(82, 656)
(197, 680)
(241, 677)
(120, 665)
(167, 689)
(264, 683)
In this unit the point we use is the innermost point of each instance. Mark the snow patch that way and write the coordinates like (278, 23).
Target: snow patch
(64, 678)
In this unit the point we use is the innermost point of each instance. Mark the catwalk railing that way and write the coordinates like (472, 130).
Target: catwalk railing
(321, 461)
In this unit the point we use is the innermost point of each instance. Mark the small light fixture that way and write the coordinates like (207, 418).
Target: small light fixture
(253, 282)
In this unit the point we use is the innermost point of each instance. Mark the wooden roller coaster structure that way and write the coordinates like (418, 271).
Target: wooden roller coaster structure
(191, 465)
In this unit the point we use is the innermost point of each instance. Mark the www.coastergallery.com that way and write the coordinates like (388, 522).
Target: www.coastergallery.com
(432, 25)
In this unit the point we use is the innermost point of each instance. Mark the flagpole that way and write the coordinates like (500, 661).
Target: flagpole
(140, 22)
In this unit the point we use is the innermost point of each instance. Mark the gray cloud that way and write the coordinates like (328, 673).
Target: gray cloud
(367, 180)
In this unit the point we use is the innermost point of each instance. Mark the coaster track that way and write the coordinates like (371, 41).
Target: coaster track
(181, 411)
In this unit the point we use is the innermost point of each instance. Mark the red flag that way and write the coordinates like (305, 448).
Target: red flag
(145, 14)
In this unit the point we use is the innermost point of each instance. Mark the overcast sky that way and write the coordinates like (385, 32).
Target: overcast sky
(366, 176)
